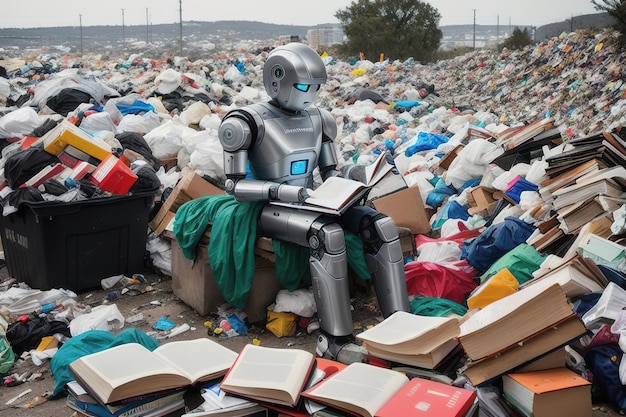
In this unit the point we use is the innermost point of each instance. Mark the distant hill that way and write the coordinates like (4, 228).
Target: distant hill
(200, 36)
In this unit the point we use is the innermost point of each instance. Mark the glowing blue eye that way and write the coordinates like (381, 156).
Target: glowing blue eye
(302, 87)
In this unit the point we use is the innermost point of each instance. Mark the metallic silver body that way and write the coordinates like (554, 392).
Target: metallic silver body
(282, 142)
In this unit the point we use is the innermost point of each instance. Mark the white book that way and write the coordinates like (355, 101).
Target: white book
(407, 333)
(139, 371)
(274, 375)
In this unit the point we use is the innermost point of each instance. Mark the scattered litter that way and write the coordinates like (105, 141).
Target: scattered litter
(18, 396)
(163, 324)
(135, 318)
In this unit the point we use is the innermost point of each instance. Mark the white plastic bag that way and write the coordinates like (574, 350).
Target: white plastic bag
(103, 317)
(19, 122)
(300, 302)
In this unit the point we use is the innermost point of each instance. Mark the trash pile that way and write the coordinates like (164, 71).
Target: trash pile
(518, 157)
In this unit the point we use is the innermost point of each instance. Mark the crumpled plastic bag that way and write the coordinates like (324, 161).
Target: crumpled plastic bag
(300, 302)
(102, 317)
(471, 162)
(166, 139)
(22, 121)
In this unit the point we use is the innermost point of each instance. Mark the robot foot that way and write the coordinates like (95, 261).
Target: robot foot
(339, 348)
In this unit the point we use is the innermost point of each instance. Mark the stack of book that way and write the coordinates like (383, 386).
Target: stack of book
(414, 340)
(516, 330)
(576, 275)
(129, 379)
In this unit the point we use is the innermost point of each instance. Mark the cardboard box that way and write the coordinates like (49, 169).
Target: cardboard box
(194, 283)
(406, 209)
(189, 187)
(481, 199)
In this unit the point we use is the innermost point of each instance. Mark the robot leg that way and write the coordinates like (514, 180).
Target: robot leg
(383, 255)
(329, 274)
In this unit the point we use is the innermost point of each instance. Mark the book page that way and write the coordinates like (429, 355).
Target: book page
(359, 384)
(334, 193)
(402, 327)
(259, 367)
(375, 171)
(130, 366)
(197, 358)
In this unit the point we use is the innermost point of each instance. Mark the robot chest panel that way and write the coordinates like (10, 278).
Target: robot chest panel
(289, 149)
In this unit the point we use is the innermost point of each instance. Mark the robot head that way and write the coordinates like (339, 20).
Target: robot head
(292, 75)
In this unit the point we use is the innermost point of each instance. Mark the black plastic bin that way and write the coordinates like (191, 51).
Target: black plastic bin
(75, 245)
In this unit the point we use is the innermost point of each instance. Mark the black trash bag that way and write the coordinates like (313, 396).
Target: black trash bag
(54, 187)
(24, 195)
(147, 181)
(22, 165)
(25, 335)
(135, 142)
(47, 126)
(67, 100)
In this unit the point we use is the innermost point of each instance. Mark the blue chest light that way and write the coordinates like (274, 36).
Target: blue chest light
(299, 167)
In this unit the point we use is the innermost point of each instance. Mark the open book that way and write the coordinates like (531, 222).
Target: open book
(337, 194)
(131, 370)
(371, 391)
(272, 375)
(333, 196)
(412, 339)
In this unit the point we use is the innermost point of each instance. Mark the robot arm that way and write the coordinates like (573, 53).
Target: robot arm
(328, 157)
(237, 133)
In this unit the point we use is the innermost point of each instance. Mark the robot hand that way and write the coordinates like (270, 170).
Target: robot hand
(354, 172)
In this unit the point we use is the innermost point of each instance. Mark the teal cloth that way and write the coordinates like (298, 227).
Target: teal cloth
(231, 247)
(521, 261)
(91, 341)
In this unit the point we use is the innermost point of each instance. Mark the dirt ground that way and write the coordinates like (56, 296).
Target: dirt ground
(154, 300)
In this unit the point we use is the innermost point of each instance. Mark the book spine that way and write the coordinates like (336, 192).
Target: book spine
(149, 406)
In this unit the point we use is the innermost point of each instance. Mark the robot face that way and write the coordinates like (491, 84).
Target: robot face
(292, 76)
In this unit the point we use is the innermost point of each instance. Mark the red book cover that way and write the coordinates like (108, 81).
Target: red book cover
(423, 397)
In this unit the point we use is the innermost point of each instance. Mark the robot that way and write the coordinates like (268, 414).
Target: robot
(283, 141)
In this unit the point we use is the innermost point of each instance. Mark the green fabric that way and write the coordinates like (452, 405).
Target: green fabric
(521, 261)
(7, 356)
(232, 254)
(436, 307)
(91, 341)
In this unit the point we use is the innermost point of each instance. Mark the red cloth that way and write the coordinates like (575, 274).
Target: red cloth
(450, 281)
(457, 237)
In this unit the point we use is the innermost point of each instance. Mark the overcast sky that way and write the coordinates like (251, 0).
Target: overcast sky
(46, 13)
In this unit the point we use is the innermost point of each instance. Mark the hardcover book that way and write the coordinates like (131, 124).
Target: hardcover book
(141, 371)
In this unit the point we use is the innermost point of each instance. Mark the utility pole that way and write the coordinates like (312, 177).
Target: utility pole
(180, 17)
(123, 34)
(498, 31)
(474, 41)
(80, 20)
(147, 27)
